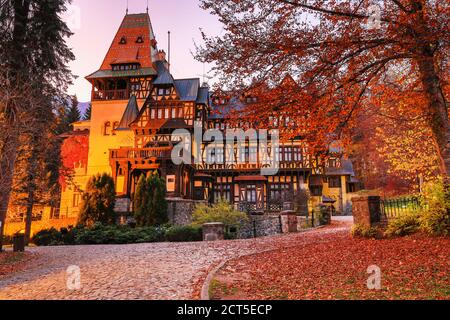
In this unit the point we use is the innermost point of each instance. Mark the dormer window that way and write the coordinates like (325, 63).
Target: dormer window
(140, 39)
(123, 40)
(163, 92)
(125, 67)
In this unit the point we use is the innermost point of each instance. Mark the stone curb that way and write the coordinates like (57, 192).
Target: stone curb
(204, 295)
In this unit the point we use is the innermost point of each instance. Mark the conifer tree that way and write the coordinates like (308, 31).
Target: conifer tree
(73, 113)
(140, 201)
(150, 205)
(98, 201)
(33, 71)
(88, 113)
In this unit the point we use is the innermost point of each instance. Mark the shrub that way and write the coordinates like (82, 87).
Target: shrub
(222, 211)
(49, 237)
(322, 215)
(184, 234)
(406, 224)
(366, 232)
(101, 234)
(150, 205)
(435, 218)
(98, 201)
(7, 240)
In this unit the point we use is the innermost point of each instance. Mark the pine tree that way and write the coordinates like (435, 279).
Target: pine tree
(140, 201)
(88, 113)
(33, 72)
(98, 201)
(73, 113)
(159, 201)
(150, 205)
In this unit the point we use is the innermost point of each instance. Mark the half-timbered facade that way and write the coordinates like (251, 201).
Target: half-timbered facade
(140, 113)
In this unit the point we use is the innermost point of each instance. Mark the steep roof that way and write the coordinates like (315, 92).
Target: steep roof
(187, 88)
(134, 43)
(130, 114)
(164, 76)
(203, 96)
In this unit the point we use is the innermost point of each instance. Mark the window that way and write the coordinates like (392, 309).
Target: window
(76, 200)
(332, 163)
(174, 113)
(107, 128)
(160, 111)
(115, 126)
(170, 181)
(123, 40)
(152, 114)
(140, 39)
(288, 154)
(334, 182)
(166, 113)
(253, 154)
(316, 191)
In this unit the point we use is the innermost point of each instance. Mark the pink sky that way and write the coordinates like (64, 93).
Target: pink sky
(95, 23)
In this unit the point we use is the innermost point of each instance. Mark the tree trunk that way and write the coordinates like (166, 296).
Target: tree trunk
(438, 117)
(31, 171)
(7, 161)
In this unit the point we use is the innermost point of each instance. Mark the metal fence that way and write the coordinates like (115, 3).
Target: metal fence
(394, 208)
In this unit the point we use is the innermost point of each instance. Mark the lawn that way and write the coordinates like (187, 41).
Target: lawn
(416, 267)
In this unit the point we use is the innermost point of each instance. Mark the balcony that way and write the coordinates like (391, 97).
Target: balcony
(111, 95)
(132, 154)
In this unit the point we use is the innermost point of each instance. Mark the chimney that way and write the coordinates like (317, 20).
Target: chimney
(162, 55)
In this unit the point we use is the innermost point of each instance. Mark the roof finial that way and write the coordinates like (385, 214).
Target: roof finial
(127, 7)
(168, 47)
(147, 6)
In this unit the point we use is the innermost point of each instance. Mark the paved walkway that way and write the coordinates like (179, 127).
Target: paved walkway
(160, 271)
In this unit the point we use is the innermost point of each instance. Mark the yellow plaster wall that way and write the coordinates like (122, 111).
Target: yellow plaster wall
(99, 144)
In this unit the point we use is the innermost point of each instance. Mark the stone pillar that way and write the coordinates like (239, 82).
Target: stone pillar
(213, 231)
(367, 210)
(289, 222)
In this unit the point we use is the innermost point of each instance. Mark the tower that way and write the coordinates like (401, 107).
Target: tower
(124, 78)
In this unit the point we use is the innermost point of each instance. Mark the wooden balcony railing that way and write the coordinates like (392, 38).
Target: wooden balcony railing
(111, 95)
(141, 154)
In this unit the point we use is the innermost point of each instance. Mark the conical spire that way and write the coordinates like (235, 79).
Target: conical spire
(130, 114)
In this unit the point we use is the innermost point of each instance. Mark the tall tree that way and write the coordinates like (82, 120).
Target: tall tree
(33, 71)
(336, 50)
(88, 113)
(150, 205)
(98, 201)
(73, 113)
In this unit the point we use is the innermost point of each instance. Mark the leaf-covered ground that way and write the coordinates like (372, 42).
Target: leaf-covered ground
(11, 262)
(335, 267)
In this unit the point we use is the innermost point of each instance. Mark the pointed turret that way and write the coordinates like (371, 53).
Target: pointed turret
(129, 65)
(130, 114)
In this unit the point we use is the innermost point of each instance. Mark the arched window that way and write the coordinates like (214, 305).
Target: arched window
(107, 128)
(115, 126)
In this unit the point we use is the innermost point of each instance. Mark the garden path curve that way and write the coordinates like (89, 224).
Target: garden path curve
(159, 271)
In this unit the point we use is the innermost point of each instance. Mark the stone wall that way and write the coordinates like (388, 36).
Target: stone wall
(180, 210)
(263, 226)
(367, 211)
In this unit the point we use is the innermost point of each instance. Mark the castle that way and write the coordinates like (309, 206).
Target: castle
(137, 109)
